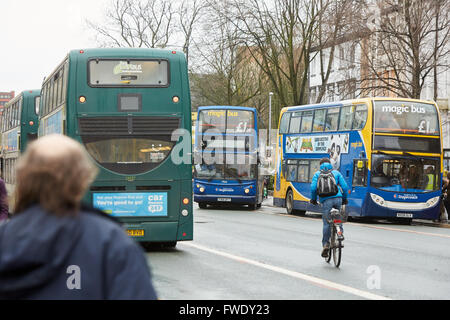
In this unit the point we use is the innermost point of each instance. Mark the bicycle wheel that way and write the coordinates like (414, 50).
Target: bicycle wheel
(330, 252)
(337, 251)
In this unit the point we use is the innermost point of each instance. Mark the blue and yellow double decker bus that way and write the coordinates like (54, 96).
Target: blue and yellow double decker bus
(227, 166)
(388, 150)
(19, 126)
(124, 106)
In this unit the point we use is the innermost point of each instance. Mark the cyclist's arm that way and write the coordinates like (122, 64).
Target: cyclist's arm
(314, 186)
(343, 186)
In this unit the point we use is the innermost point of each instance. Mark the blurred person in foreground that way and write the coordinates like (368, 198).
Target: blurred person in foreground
(52, 248)
(4, 207)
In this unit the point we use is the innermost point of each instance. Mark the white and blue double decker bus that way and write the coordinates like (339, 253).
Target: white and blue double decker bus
(388, 150)
(227, 168)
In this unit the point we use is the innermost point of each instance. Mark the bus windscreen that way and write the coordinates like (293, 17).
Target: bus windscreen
(227, 121)
(154, 73)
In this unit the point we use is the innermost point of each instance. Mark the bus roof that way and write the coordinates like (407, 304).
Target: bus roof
(344, 102)
(226, 108)
(25, 94)
(127, 52)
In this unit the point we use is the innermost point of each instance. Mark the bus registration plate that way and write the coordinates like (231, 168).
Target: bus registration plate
(224, 199)
(136, 233)
(404, 215)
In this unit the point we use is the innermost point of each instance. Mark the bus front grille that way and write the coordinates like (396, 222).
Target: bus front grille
(152, 188)
(108, 188)
(125, 126)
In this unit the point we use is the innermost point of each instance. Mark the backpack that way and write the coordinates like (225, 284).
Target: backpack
(326, 184)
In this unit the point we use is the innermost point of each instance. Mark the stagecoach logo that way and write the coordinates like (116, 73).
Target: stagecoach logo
(406, 196)
(403, 109)
(225, 190)
(125, 67)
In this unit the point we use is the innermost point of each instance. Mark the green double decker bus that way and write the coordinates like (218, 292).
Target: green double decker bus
(124, 106)
(19, 126)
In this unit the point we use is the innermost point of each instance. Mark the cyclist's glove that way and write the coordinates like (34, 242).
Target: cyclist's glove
(313, 202)
(344, 201)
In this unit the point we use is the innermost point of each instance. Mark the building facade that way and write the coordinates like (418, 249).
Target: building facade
(361, 66)
(4, 98)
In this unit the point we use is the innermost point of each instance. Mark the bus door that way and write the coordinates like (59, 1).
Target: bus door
(358, 186)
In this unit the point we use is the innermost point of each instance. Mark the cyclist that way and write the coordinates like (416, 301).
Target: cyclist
(329, 202)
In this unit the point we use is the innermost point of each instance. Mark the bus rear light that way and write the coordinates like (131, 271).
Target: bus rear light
(184, 234)
(186, 201)
(31, 123)
(81, 51)
(174, 52)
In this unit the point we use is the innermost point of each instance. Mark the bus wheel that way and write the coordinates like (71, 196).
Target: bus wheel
(202, 205)
(290, 204)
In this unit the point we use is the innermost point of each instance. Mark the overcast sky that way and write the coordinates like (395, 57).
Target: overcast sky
(37, 35)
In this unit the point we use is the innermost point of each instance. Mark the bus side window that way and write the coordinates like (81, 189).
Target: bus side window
(284, 124)
(332, 119)
(346, 119)
(292, 169)
(360, 173)
(360, 117)
(284, 169)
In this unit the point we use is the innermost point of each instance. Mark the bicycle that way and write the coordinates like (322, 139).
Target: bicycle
(336, 220)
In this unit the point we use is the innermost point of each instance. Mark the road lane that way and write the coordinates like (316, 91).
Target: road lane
(413, 260)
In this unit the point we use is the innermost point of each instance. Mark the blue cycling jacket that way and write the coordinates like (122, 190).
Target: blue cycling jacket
(340, 181)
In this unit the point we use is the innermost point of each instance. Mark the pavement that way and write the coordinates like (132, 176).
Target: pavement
(269, 203)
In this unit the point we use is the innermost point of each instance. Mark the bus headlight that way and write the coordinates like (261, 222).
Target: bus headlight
(378, 200)
(432, 202)
(247, 191)
(185, 213)
(202, 189)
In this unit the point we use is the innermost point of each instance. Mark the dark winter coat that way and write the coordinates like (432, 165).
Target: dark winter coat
(4, 208)
(89, 256)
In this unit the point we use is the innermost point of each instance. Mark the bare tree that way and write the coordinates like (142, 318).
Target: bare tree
(337, 24)
(224, 75)
(135, 23)
(409, 43)
(189, 13)
(278, 38)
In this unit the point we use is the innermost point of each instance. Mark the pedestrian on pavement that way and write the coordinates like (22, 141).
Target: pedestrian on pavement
(445, 203)
(4, 207)
(53, 248)
(329, 201)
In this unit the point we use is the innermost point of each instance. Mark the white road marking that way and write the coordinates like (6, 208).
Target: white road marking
(317, 281)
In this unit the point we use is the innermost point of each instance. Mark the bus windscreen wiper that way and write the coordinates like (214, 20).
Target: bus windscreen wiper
(234, 175)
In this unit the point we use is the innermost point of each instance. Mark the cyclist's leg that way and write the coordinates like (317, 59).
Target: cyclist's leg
(337, 204)
(327, 205)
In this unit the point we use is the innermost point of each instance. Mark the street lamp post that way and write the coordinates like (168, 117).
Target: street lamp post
(270, 116)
